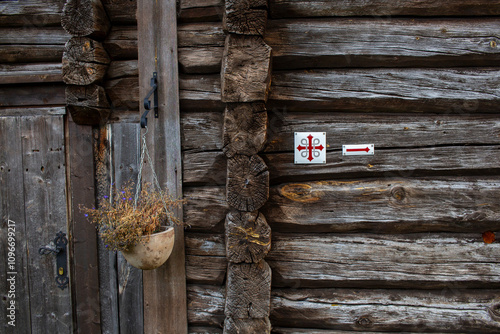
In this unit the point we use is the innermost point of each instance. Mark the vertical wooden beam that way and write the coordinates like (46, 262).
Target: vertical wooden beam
(165, 309)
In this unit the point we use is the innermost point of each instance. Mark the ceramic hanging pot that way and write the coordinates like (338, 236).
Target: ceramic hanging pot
(152, 253)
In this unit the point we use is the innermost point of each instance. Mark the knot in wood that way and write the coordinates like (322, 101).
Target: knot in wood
(364, 321)
(494, 312)
(398, 193)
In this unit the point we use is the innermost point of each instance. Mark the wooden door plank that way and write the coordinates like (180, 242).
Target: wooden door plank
(45, 197)
(13, 221)
(164, 288)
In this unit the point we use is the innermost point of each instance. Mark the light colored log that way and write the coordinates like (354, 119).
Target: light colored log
(206, 305)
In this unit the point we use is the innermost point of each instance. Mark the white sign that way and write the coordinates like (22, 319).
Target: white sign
(361, 149)
(310, 147)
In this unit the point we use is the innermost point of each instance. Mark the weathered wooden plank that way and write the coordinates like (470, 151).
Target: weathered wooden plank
(206, 305)
(199, 249)
(37, 13)
(201, 10)
(449, 310)
(198, 92)
(85, 18)
(121, 42)
(125, 157)
(322, 8)
(33, 95)
(158, 53)
(45, 197)
(201, 124)
(14, 287)
(30, 53)
(327, 43)
(386, 205)
(32, 111)
(206, 208)
(84, 255)
(204, 330)
(121, 11)
(439, 90)
(122, 68)
(361, 260)
(201, 46)
(88, 105)
(30, 73)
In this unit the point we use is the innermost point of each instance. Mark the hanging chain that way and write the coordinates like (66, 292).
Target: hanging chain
(145, 152)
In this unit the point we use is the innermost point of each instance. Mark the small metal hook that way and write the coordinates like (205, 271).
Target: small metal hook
(147, 102)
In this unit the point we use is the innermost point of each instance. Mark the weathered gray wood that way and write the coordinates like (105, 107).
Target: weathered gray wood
(84, 250)
(247, 182)
(247, 326)
(84, 61)
(125, 157)
(32, 95)
(321, 8)
(208, 34)
(204, 330)
(88, 105)
(123, 94)
(157, 26)
(13, 225)
(121, 42)
(248, 290)
(202, 124)
(32, 111)
(201, 46)
(204, 168)
(245, 128)
(201, 10)
(30, 73)
(439, 90)
(122, 68)
(361, 260)
(248, 237)
(247, 17)
(121, 11)
(327, 43)
(386, 205)
(36, 13)
(246, 69)
(206, 208)
(201, 247)
(85, 18)
(198, 92)
(206, 305)
(449, 310)
(45, 196)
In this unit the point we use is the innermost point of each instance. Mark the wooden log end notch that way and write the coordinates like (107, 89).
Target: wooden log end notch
(246, 69)
(247, 182)
(245, 128)
(85, 18)
(84, 61)
(247, 17)
(88, 105)
(248, 237)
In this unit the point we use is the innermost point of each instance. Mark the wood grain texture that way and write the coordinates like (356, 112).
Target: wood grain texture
(85, 18)
(204, 330)
(122, 68)
(35, 13)
(206, 208)
(372, 42)
(205, 258)
(248, 237)
(88, 105)
(121, 11)
(201, 10)
(247, 326)
(32, 111)
(84, 61)
(206, 305)
(30, 73)
(200, 92)
(322, 8)
(84, 263)
(248, 290)
(247, 182)
(43, 95)
(246, 69)
(363, 310)
(121, 43)
(245, 128)
(247, 17)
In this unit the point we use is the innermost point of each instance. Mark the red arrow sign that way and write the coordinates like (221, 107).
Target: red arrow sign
(366, 149)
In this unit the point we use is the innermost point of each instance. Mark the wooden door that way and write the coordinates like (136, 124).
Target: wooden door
(33, 206)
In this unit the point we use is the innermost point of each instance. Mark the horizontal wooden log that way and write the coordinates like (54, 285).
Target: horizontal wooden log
(205, 258)
(204, 330)
(201, 10)
(206, 208)
(121, 43)
(122, 69)
(201, 131)
(205, 305)
(85, 18)
(199, 92)
(450, 310)
(88, 105)
(330, 43)
(439, 90)
(33, 111)
(121, 11)
(30, 73)
(247, 326)
(123, 93)
(322, 8)
(33, 95)
(35, 13)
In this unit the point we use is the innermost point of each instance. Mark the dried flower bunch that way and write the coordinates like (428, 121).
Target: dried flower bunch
(121, 224)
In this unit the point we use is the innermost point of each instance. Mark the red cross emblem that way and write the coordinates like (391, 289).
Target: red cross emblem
(311, 148)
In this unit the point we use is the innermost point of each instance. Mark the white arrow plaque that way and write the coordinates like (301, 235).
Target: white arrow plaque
(361, 149)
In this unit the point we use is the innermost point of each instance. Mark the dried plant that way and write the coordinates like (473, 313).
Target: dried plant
(121, 223)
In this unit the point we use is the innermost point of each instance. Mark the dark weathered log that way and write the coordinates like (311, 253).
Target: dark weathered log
(200, 92)
(122, 94)
(206, 208)
(30, 73)
(448, 310)
(247, 182)
(248, 290)
(36, 13)
(328, 43)
(32, 95)
(439, 90)
(248, 17)
(246, 69)
(88, 105)
(85, 18)
(85, 61)
(247, 326)
(199, 248)
(33, 111)
(205, 305)
(201, 10)
(122, 69)
(245, 128)
(121, 11)
(200, 60)
(386, 205)
(205, 125)
(205, 168)
(322, 8)
(204, 330)
(121, 42)
(248, 237)
(208, 34)
(360, 260)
